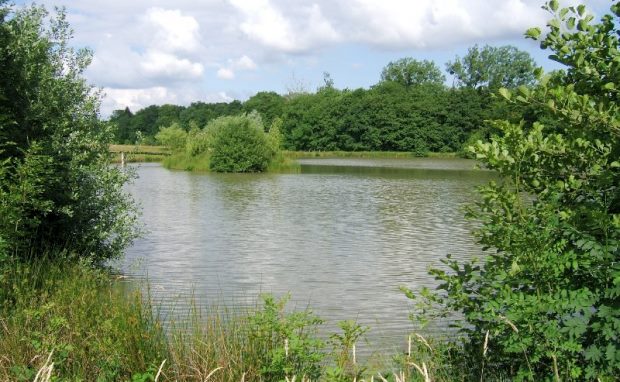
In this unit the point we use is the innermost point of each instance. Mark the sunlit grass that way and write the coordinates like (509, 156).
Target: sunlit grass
(73, 322)
(142, 149)
(362, 154)
(186, 162)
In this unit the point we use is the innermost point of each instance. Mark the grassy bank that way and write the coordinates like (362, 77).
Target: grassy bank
(285, 162)
(363, 154)
(138, 153)
(73, 322)
(199, 163)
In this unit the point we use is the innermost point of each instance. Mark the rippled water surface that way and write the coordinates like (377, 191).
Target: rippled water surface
(342, 236)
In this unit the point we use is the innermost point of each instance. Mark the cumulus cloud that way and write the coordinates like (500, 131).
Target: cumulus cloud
(244, 63)
(225, 74)
(159, 64)
(155, 50)
(436, 24)
(388, 24)
(268, 25)
(136, 98)
(173, 31)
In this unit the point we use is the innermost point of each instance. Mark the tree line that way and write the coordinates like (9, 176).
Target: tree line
(409, 109)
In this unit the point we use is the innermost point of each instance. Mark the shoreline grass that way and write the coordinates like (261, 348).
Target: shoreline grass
(200, 163)
(71, 321)
(139, 149)
(285, 162)
(364, 154)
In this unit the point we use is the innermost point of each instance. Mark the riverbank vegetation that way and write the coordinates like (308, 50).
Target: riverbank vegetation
(71, 321)
(227, 144)
(409, 110)
(542, 304)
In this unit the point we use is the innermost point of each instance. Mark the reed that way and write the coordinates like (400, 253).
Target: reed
(71, 321)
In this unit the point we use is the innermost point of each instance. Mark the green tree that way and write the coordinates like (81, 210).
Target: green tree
(493, 67)
(121, 121)
(408, 71)
(269, 105)
(57, 189)
(173, 137)
(239, 144)
(545, 303)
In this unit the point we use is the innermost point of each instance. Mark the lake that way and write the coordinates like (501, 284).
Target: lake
(340, 237)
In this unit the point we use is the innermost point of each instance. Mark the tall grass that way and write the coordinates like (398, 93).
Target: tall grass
(200, 162)
(184, 161)
(89, 322)
(74, 322)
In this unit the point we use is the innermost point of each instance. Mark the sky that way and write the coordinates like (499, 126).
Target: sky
(183, 51)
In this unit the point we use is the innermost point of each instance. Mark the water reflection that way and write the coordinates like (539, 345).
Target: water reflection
(341, 238)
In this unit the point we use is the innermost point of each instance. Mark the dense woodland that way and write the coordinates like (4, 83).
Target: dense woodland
(409, 109)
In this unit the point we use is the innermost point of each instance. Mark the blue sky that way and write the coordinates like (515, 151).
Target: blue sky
(162, 51)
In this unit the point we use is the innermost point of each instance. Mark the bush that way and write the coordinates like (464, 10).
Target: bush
(57, 189)
(239, 145)
(544, 304)
(173, 137)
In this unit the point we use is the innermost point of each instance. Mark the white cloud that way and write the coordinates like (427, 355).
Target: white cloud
(173, 30)
(143, 47)
(435, 24)
(135, 98)
(156, 63)
(225, 74)
(244, 63)
(267, 24)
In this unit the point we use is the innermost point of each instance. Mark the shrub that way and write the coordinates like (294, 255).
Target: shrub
(173, 137)
(544, 304)
(57, 189)
(239, 145)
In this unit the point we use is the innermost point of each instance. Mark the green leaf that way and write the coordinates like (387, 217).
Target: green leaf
(554, 5)
(533, 33)
(581, 9)
(570, 23)
(609, 86)
(505, 93)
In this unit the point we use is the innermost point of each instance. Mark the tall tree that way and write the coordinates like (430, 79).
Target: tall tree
(57, 188)
(493, 67)
(408, 71)
(269, 105)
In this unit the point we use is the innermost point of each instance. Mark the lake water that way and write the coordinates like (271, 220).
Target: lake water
(340, 237)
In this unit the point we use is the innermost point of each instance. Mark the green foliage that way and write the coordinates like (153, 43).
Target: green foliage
(409, 110)
(408, 72)
(93, 327)
(269, 105)
(239, 145)
(173, 137)
(544, 303)
(493, 67)
(57, 189)
(346, 367)
(286, 342)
